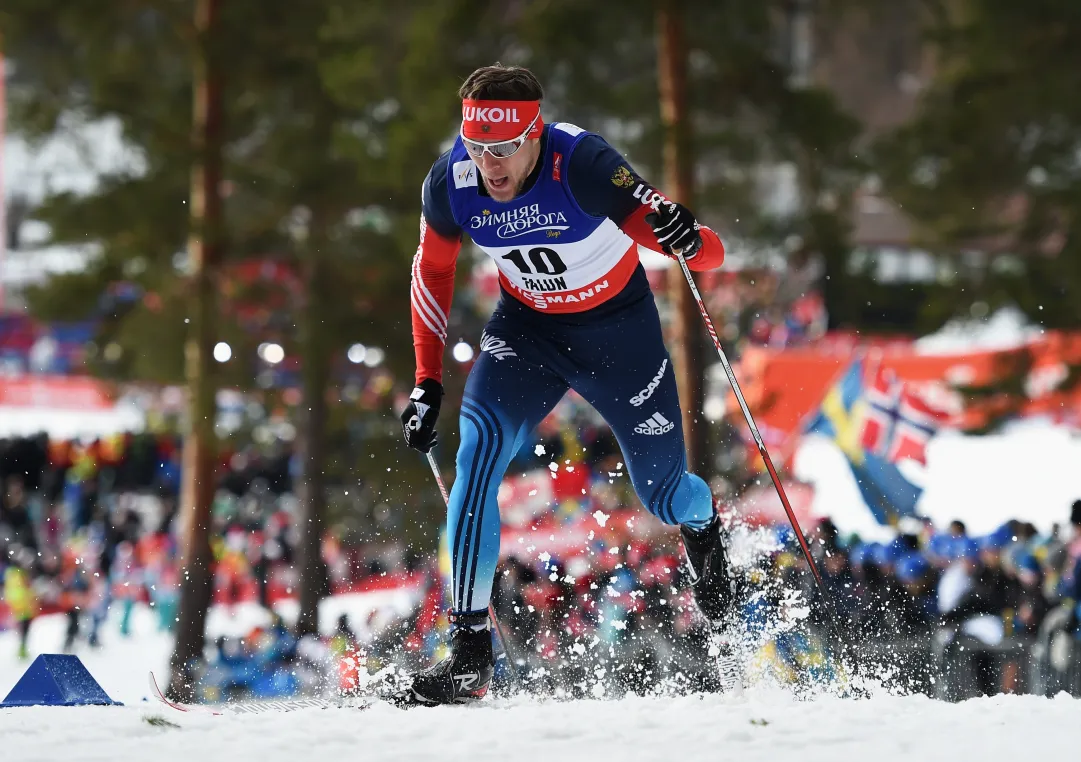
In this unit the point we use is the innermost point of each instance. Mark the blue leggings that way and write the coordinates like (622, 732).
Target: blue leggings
(616, 360)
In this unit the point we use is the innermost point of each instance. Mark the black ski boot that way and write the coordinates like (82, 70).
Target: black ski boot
(465, 674)
(707, 568)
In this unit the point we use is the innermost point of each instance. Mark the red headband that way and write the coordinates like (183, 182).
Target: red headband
(500, 120)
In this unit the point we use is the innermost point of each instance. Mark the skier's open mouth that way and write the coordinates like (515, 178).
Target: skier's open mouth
(498, 183)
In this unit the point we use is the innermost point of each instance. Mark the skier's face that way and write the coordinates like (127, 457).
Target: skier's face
(504, 177)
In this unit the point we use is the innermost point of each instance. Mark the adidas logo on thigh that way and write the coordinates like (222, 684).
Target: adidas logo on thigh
(655, 424)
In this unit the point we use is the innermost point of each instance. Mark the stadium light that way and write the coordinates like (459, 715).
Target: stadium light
(356, 353)
(222, 352)
(462, 352)
(373, 356)
(271, 353)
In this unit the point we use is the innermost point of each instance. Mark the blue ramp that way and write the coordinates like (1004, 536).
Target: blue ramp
(57, 680)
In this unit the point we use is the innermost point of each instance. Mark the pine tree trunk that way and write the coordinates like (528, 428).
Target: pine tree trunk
(204, 247)
(3, 142)
(315, 372)
(686, 341)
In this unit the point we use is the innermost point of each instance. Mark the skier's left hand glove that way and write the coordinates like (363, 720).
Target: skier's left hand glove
(419, 416)
(675, 228)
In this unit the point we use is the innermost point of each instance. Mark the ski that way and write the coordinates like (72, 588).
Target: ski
(157, 693)
(728, 657)
(257, 707)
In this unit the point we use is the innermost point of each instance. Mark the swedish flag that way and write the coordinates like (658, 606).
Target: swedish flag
(885, 490)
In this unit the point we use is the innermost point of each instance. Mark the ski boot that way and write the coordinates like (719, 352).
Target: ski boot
(708, 570)
(464, 675)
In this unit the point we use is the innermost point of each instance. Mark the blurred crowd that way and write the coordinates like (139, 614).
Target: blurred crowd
(85, 529)
(986, 606)
(88, 526)
(994, 586)
(767, 307)
(31, 346)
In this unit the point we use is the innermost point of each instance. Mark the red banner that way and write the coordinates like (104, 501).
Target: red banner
(72, 393)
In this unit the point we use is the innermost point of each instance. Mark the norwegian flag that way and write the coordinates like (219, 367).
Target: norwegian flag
(897, 422)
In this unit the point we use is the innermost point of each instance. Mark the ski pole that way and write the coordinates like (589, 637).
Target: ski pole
(750, 421)
(491, 609)
(438, 478)
(829, 602)
(832, 618)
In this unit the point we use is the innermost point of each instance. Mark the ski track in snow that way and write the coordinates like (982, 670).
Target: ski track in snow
(761, 725)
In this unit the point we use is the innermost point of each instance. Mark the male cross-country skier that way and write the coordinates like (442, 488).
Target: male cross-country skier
(562, 214)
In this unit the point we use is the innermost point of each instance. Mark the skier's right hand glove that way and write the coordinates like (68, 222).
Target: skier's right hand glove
(675, 228)
(419, 416)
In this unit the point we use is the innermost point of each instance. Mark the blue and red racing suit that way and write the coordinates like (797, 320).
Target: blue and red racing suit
(575, 312)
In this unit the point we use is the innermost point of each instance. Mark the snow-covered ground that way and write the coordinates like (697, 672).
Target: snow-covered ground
(763, 723)
(766, 725)
(1007, 328)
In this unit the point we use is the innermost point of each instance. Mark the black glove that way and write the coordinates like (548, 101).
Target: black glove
(419, 416)
(675, 228)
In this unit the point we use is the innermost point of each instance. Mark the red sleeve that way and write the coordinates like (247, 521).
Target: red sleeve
(709, 257)
(430, 295)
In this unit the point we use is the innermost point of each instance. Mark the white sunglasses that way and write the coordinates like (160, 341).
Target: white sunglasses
(501, 149)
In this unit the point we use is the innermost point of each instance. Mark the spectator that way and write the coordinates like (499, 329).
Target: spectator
(919, 613)
(1032, 606)
(970, 595)
(15, 516)
(1071, 571)
(20, 598)
(167, 477)
(840, 586)
(971, 603)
